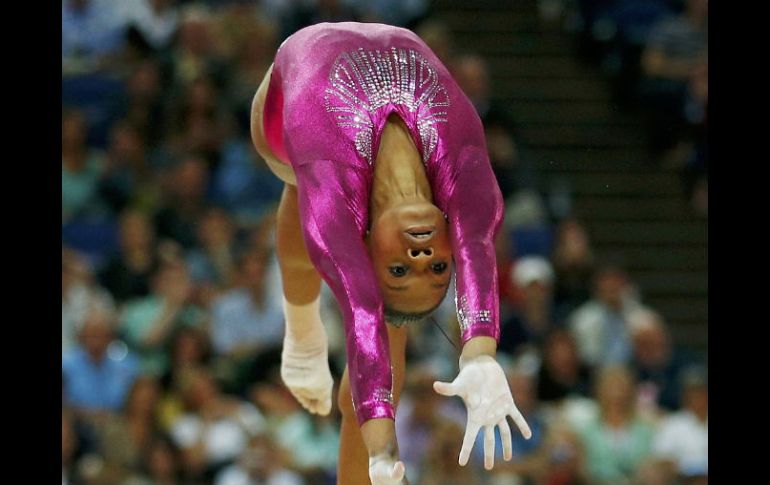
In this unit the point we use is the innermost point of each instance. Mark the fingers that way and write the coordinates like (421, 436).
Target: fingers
(505, 436)
(445, 388)
(471, 430)
(489, 447)
(520, 422)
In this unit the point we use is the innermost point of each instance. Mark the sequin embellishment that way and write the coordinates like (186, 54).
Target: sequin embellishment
(363, 81)
(466, 317)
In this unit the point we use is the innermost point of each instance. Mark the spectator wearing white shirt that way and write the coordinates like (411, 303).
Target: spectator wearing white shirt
(682, 439)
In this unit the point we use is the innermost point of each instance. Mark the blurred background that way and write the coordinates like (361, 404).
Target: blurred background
(596, 120)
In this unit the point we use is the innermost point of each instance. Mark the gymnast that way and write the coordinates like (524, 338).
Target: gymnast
(388, 190)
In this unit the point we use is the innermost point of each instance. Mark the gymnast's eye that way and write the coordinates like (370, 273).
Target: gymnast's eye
(438, 268)
(398, 270)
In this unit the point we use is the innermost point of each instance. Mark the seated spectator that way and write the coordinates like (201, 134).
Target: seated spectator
(127, 179)
(511, 170)
(216, 429)
(156, 22)
(80, 294)
(160, 464)
(125, 436)
(186, 192)
(682, 440)
(441, 466)
(127, 274)
(248, 319)
(561, 374)
(617, 440)
(421, 412)
(676, 47)
(69, 448)
(526, 328)
(438, 36)
(561, 457)
(92, 33)
(212, 262)
(600, 326)
(81, 169)
(261, 462)
(525, 465)
(96, 381)
(148, 323)
(657, 363)
(188, 348)
(192, 53)
(145, 102)
(573, 263)
(309, 444)
(402, 13)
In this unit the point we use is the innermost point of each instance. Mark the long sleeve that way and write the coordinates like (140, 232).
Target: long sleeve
(333, 203)
(474, 207)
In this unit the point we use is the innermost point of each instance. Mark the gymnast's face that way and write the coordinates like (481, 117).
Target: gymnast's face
(409, 246)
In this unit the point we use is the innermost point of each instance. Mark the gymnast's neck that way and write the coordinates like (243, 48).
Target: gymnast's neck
(399, 174)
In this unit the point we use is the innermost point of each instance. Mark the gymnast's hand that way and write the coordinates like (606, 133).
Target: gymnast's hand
(384, 471)
(483, 387)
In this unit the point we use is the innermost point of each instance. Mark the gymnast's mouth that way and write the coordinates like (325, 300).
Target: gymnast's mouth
(421, 233)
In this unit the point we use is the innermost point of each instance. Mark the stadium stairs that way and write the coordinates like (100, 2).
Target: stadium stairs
(635, 211)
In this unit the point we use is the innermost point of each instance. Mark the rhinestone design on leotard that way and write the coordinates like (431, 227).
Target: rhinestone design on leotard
(467, 317)
(363, 81)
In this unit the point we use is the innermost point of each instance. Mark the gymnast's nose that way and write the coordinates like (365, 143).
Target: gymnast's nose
(417, 254)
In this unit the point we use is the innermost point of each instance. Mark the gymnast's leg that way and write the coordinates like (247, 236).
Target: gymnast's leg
(304, 362)
(353, 465)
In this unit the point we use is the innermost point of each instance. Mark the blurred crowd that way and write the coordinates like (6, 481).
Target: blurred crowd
(655, 55)
(171, 306)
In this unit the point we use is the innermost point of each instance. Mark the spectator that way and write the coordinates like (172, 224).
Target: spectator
(617, 441)
(677, 46)
(186, 191)
(260, 463)
(80, 295)
(561, 374)
(125, 436)
(512, 172)
(309, 444)
(573, 263)
(156, 22)
(160, 464)
(69, 448)
(127, 274)
(149, 322)
(82, 168)
(212, 262)
(216, 429)
(562, 457)
(682, 440)
(438, 36)
(249, 318)
(145, 102)
(127, 179)
(600, 326)
(93, 33)
(96, 381)
(656, 362)
(527, 327)
(421, 413)
(441, 466)
(192, 53)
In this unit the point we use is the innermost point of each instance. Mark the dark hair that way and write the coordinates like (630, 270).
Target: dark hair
(399, 318)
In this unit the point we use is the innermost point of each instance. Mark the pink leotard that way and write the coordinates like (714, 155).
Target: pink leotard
(331, 91)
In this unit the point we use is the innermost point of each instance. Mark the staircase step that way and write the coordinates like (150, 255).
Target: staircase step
(650, 258)
(623, 209)
(517, 43)
(588, 159)
(671, 282)
(587, 112)
(505, 67)
(662, 234)
(565, 90)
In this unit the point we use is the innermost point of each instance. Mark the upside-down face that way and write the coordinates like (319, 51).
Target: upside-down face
(409, 246)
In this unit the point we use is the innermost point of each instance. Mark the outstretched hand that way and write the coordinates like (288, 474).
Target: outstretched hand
(384, 471)
(484, 389)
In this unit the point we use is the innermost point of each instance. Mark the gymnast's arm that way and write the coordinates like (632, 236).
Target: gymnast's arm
(333, 203)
